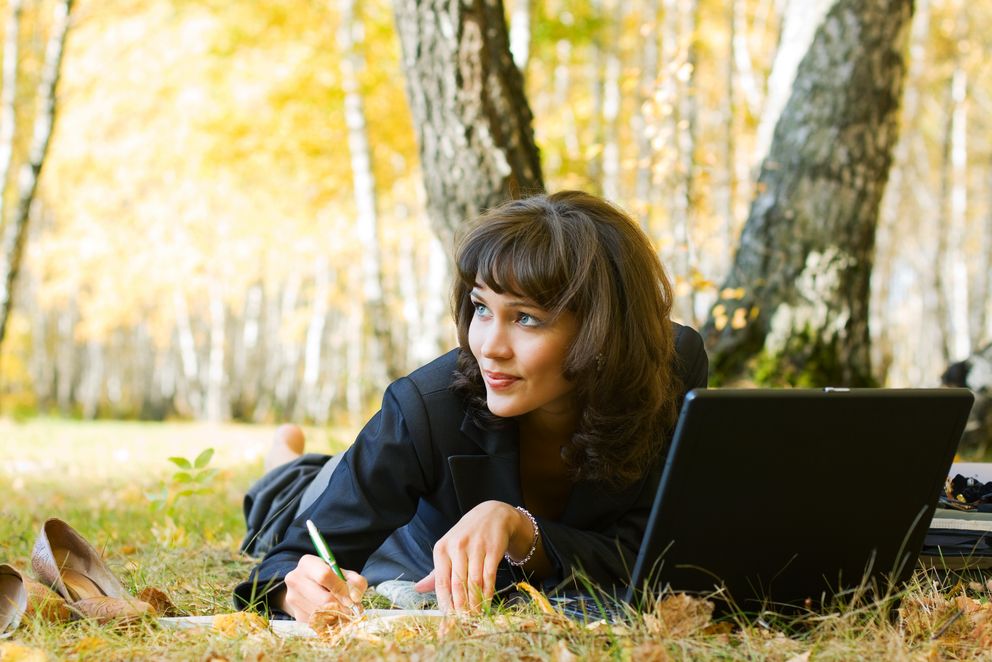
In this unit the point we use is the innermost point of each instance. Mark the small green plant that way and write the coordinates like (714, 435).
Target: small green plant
(190, 477)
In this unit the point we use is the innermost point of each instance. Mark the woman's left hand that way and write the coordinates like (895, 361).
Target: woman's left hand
(466, 558)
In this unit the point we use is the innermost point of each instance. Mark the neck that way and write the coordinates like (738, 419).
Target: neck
(555, 428)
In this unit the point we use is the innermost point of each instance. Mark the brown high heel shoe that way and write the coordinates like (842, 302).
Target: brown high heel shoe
(72, 567)
(13, 599)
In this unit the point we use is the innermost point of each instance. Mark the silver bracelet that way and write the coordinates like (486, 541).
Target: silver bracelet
(533, 544)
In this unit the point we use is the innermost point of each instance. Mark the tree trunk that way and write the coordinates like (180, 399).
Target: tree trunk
(15, 229)
(644, 121)
(957, 207)
(797, 294)
(467, 100)
(726, 194)
(377, 319)
(742, 59)
(217, 404)
(684, 17)
(611, 105)
(313, 353)
(189, 393)
(520, 33)
(8, 97)
(901, 236)
(982, 283)
(65, 357)
(802, 18)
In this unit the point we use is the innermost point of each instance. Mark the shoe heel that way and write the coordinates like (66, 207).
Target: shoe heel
(13, 599)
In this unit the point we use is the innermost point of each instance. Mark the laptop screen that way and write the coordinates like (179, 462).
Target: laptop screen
(781, 497)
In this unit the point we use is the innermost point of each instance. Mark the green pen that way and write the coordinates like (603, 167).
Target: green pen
(325, 553)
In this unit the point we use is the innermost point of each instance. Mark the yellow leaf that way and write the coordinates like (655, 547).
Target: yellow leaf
(239, 624)
(537, 597)
(14, 652)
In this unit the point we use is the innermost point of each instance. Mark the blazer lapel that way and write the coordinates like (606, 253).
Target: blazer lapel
(494, 474)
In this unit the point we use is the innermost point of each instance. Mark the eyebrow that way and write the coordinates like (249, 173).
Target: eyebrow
(512, 303)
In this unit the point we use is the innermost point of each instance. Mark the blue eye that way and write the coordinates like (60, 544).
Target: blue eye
(528, 320)
(480, 309)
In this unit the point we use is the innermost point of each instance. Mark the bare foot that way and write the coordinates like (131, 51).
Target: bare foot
(287, 445)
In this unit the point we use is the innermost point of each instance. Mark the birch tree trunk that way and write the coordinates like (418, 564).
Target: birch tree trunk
(802, 18)
(65, 357)
(594, 162)
(982, 290)
(957, 204)
(8, 97)
(685, 138)
(15, 227)
(189, 391)
(309, 401)
(472, 119)
(611, 106)
(217, 405)
(520, 33)
(901, 232)
(382, 363)
(726, 194)
(644, 121)
(797, 295)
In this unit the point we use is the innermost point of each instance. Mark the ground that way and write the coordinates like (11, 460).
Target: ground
(114, 482)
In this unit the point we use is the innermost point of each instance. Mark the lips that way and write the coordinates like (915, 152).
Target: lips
(499, 380)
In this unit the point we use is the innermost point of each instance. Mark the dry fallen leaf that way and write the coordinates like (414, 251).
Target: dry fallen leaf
(923, 616)
(650, 651)
(538, 597)
(45, 604)
(679, 615)
(326, 619)
(562, 653)
(14, 652)
(239, 624)
(89, 645)
(159, 600)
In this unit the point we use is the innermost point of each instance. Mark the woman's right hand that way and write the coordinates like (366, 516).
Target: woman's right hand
(313, 585)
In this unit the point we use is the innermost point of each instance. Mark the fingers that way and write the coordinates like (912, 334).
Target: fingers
(426, 584)
(459, 582)
(313, 585)
(463, 580)
(489, 576)
(442, 578)
(476, 581)
(357, 585)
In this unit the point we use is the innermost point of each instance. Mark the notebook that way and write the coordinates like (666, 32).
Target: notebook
(777, 499)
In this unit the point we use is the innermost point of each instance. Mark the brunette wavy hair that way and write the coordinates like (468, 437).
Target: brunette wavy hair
(576, 252)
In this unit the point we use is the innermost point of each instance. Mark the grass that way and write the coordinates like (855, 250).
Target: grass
(97, 476)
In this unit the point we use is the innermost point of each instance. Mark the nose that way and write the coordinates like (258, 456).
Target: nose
(496, 342)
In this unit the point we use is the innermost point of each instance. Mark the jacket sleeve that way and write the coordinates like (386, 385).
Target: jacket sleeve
(373, 491)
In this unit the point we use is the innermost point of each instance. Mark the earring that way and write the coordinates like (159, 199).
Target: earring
(600, 360)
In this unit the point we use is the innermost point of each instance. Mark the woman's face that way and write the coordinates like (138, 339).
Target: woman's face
(520, 352)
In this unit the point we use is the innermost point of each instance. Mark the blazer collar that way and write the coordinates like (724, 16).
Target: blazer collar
(493, 474)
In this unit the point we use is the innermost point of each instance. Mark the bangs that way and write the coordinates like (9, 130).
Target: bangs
(526, 259)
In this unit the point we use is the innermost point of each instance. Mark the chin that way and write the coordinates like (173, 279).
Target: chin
(502, 409)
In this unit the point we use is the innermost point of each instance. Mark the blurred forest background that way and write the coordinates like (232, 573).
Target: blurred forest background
(221, 174)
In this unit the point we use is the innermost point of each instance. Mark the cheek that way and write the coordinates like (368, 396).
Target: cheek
(474, 338)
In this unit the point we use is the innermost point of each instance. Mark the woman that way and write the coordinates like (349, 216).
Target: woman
(534, 448)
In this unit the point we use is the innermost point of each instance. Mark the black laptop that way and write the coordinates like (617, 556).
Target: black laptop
(773, 499)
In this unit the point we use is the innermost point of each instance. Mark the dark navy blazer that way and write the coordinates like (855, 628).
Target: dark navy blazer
(421, 463)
